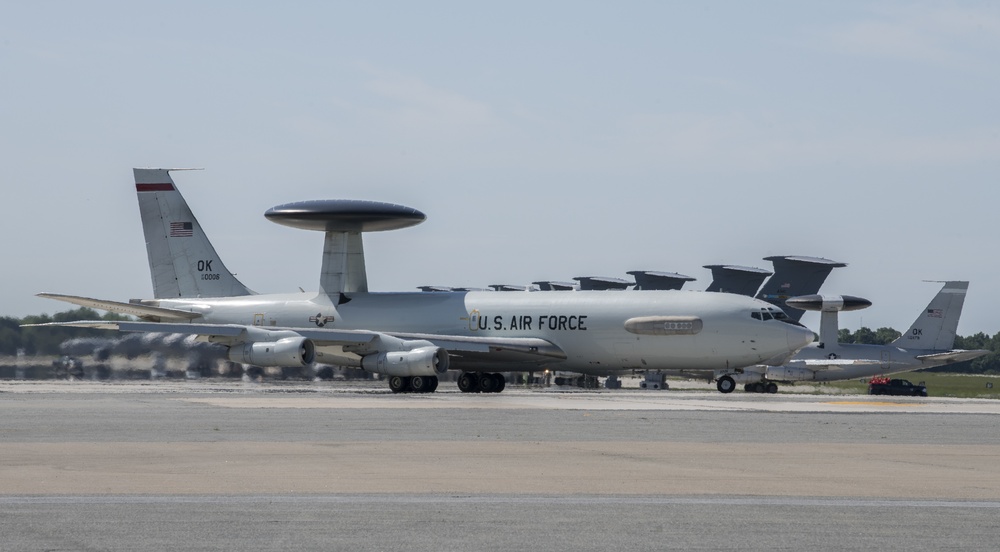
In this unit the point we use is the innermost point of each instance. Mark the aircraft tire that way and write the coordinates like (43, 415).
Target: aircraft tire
(468, 382)
(488, 383)
(772, 388)
(725, 384)
(399, 384)
(758, 387)
(433, 384)
(419, 384)
(501, 383)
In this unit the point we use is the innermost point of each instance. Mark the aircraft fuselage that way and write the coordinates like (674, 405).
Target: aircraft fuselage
(589, 327)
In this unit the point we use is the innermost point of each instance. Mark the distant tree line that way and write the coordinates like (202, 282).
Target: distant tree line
(46, 341)
(987, 364)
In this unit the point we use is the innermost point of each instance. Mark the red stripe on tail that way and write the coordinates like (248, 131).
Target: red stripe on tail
(154, 187)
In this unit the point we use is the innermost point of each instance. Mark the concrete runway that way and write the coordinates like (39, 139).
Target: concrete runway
(202, 465)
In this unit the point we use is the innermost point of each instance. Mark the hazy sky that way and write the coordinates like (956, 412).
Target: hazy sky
(544, 140)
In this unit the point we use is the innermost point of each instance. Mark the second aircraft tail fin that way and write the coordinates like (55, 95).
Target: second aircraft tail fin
(795, 276)
(182, 261)
(935, 327)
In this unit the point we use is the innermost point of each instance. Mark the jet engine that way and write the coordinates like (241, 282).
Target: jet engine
(421, 361)
(288, 352)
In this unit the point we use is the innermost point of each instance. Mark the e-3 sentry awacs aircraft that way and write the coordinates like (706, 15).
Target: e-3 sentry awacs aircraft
(927, 343)
(413, 337)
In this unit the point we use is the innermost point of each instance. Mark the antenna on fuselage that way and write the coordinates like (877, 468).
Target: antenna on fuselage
(343, 221)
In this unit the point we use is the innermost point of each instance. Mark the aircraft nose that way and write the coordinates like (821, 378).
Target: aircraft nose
(799, 337)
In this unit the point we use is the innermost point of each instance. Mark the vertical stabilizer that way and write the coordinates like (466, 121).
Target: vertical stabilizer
(935, 327)
(182, 261)
(741, 280)
(794, 276)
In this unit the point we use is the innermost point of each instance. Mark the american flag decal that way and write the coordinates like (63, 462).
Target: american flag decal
(934, 313)
(181, 229)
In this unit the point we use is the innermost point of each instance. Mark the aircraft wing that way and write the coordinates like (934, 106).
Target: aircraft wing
(949, 357)
(132, 309)
(832, 363)
(354, 343)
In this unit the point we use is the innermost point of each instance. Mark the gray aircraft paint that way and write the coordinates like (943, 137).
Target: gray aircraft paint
(589, 333)
(926, 344)
(794, 276)
(741, 280)
(587, 326)
(182, 262)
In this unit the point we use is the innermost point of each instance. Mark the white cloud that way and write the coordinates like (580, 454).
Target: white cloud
(948, 35)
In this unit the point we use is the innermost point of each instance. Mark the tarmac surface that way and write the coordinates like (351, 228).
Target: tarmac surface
(204, 465)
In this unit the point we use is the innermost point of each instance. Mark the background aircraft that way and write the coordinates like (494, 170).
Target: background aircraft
(927, 343)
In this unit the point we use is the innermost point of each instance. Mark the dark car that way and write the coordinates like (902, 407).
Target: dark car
(886, 386)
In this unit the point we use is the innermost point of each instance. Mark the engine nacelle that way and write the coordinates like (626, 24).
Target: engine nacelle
(785, 373)
(828, 303)
(422, 361)
(288, 352)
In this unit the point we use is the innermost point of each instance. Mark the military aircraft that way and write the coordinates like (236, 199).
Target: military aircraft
(927, 343)
(414, 337)
(793, 276)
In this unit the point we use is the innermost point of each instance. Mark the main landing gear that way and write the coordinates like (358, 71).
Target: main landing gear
(472, 382)
(726, 384)
(761, 387)
(413, 384)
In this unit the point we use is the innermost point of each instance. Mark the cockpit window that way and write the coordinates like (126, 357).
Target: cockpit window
(772, 314)
(764, 314)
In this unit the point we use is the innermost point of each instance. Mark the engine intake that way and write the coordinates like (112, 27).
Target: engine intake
(422, 361)
(288, 352)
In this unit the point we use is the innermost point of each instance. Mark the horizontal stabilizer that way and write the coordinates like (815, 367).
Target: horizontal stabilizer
(950, 357)
(148, 312)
